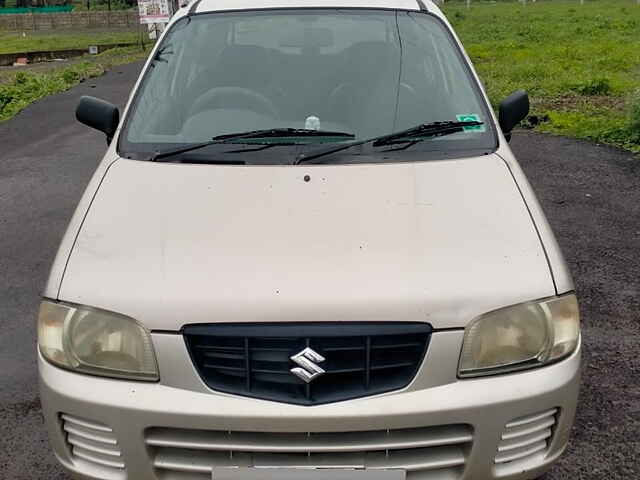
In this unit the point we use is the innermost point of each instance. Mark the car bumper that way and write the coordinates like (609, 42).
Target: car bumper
(150, 431)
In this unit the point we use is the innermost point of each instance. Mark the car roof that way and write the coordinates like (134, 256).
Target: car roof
(203, 6)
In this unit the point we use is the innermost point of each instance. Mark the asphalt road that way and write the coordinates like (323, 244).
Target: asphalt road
(591, 195)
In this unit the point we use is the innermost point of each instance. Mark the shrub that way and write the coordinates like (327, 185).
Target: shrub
(70, 76)
(5, 98)
(21, 78)
(28, 87)
(634, 118)
(595, 86)
(23, 88)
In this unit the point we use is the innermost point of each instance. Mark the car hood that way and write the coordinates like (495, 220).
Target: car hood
(438, 241)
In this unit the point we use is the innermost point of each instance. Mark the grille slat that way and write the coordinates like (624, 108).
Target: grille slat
(247, 363)
(398, 345)
(98, 458)
(308, 443)
(344, 349)
(420, 459)
(528, 429)
(264, 349)
(85, 423)
(266, 370)
(438, 451)
(224, 349)
(507, 445)
(391, 365)
(254, 360)
(229, 356)
(223, 367)
(525, 438)
(522, 452)
(367, 363)
(95, 436)
(94, 446)
(531, 419)
(346, 370)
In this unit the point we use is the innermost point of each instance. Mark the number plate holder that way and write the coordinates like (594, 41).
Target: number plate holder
(305, 474)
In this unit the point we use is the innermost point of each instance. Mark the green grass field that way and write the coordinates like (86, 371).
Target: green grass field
(579, 63)
(20, 88)
(37, 41)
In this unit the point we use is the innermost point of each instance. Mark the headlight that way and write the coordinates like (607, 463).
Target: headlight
(521, 336)
(96, 342)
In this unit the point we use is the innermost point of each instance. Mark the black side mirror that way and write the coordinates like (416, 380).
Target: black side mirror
(98, 114)
(513, 110)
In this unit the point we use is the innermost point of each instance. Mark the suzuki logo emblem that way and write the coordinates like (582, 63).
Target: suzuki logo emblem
(308, 369)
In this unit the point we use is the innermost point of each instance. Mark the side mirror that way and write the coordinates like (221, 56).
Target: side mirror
(513, 110)
(98, 114)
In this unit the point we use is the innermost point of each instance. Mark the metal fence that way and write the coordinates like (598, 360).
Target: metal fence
(69, 21)
(52, 9)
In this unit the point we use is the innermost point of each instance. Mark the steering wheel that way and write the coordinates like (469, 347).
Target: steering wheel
(225, 97)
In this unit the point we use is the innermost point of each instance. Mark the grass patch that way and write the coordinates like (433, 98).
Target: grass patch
(81, 6)
(598, 125)
(595, 86)
(21, 88)
(35, 42)
(579, 63)
(634, 118)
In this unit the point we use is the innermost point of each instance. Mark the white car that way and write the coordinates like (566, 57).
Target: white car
(308, 254)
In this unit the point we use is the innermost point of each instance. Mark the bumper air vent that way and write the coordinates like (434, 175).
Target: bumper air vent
(93, 446)
(525, 440)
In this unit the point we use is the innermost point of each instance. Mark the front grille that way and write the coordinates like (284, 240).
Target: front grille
(425, 453)
(360, 359)
(525, 439)
(93, 444)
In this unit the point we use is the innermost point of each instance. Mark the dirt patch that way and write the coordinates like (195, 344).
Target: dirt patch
(7, 74)
(572, 102)
(8, 59)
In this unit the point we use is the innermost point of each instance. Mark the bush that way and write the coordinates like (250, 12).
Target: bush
(70, 76)
(23, 88)
(28, 87)
(21, 78)
(596, 86)
(634, 120)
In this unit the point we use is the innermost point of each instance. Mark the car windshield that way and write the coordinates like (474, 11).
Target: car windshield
(355, 73)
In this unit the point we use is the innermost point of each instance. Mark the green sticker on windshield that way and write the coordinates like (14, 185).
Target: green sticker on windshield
(471, 117)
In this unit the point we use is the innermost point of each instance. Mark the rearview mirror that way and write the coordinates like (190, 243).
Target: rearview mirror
(98, 114)
(513, 110)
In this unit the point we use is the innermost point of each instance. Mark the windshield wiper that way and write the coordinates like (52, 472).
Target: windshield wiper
(411, 135)
(232, 137)
(426, 130)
